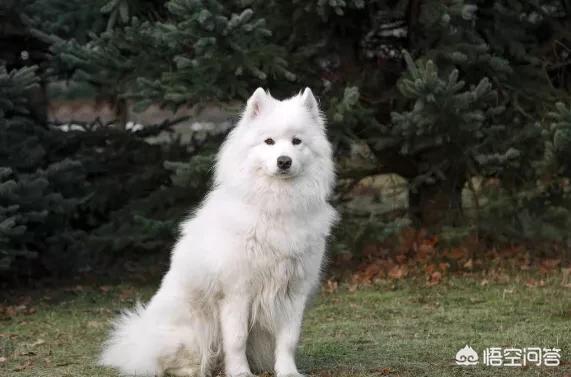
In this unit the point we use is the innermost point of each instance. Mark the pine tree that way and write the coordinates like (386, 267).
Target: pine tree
(38, 197)
(445, 130)
(558, 146)
(204, 50)
(63, 19)
(499, 41)
(69, 200)
(540, 209)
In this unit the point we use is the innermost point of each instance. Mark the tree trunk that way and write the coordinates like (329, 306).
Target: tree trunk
(39, 103)
(436, 205)
(122, 112)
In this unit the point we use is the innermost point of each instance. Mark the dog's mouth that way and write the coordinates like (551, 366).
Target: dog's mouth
(284, 174)
(278, 173)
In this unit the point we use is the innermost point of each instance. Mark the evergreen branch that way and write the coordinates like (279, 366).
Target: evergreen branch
(155, 129)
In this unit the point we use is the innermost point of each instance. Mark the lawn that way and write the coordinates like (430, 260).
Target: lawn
(394, 328)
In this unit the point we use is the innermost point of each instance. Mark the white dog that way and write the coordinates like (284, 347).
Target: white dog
(247, 261)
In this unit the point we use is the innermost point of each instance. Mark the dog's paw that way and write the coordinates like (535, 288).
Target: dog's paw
(182, 372)
(247, 374)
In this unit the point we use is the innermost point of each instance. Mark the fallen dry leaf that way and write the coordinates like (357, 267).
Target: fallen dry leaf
(23, 366)
(94, 324)
(371, 271)
(434, 278)
(383, 371)
(429, 269)
(458, 253)
(566, 272)
(353, 287)
(406, 239)
(398, 272)
(330, 286)
(105, 288)
(506, 292)
(370, 249)
(38, 342)
(532, 283)
(64, 363)
(14, 310)
(75, 289)
(425, 249)
(547, 265)
(126, 293)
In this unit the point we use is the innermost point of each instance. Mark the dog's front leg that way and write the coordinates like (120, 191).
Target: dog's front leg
(234, 314)
(287, 336)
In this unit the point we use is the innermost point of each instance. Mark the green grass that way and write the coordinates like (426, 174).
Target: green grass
(398, 328)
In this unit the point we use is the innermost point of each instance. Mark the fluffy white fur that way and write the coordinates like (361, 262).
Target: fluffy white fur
(246, 261)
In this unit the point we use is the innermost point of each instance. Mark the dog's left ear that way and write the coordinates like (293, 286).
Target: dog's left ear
(256, 103)
(309, 101)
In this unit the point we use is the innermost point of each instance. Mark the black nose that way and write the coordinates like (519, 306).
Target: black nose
(284, 162)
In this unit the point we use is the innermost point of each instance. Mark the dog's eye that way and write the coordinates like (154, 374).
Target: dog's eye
(269, 141)
(295, 141)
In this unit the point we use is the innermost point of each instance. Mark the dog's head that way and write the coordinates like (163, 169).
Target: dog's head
(284, 136)
(278, 141)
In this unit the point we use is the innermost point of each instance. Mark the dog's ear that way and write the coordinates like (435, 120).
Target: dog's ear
(309, 101)
(256, 103)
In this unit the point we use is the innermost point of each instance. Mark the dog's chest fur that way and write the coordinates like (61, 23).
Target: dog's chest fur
(276, 256)
(273, 286)
(282, 257)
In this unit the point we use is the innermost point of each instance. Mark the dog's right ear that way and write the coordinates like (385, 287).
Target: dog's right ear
(256, 104)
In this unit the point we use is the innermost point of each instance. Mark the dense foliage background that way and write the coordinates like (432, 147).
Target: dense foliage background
(467, 102)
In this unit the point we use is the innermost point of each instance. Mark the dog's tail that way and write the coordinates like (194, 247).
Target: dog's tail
(130, 347)
(146, 341)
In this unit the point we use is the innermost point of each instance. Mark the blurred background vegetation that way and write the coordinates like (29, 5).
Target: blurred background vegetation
(451, 122)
